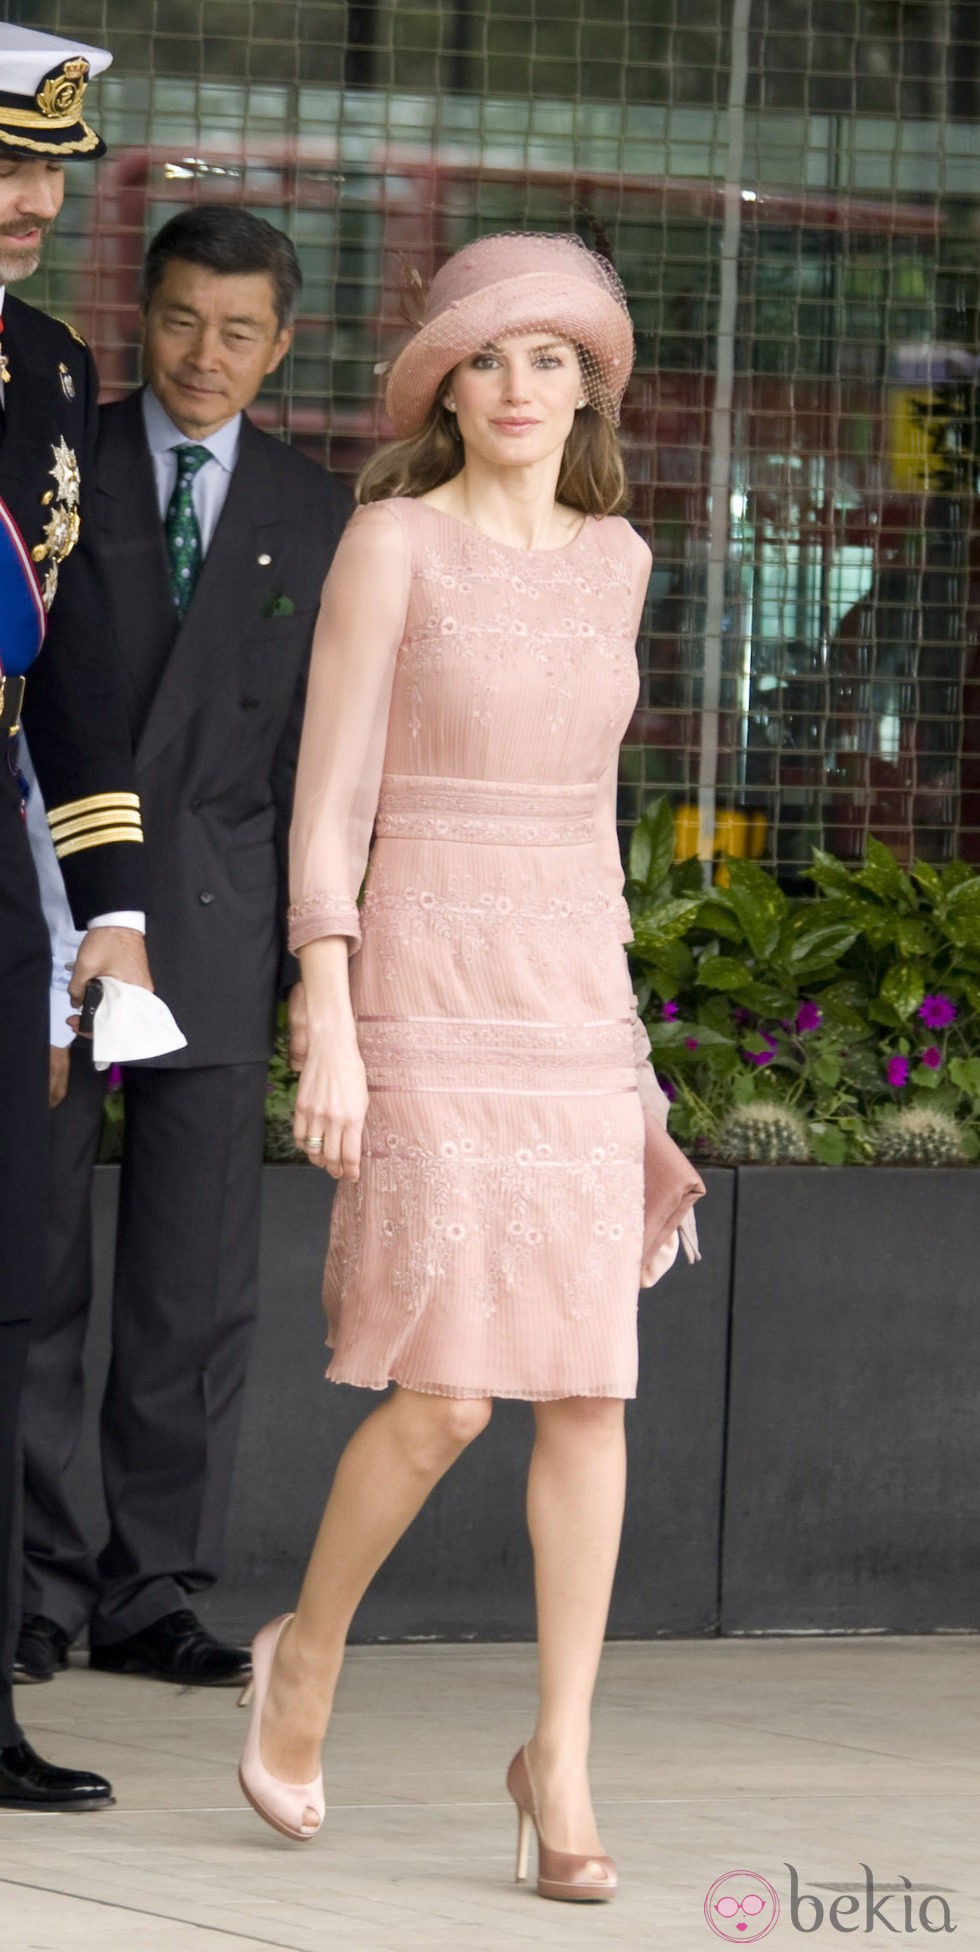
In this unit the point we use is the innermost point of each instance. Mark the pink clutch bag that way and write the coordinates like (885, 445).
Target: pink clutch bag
(670, 1187)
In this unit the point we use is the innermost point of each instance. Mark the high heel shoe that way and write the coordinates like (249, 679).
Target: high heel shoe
(561, 1873)
(294, 1809)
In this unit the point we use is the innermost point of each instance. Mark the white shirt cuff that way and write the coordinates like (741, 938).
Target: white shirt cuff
(121, 918)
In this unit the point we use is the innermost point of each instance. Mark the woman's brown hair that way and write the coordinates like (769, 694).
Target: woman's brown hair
(591, 477)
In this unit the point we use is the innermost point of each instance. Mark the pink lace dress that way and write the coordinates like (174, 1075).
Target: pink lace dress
(465, 708)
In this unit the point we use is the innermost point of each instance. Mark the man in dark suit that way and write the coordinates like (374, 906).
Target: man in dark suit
(214, 540)
(54, 668)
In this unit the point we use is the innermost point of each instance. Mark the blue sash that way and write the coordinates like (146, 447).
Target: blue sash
(22, 617)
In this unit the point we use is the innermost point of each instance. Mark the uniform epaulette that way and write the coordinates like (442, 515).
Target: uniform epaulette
(69, 328)
(94, 822)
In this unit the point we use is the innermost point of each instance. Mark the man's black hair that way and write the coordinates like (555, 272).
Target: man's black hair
(230, 241)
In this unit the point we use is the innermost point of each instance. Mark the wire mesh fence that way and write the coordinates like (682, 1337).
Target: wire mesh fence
(790, 191)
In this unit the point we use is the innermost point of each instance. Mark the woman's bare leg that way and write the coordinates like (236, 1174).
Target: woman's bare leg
(383, 1479)
(575, 1498)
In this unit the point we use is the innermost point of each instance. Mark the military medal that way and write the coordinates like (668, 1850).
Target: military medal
(63, 523)
(67, 383)
(4, 368)
(66, 473)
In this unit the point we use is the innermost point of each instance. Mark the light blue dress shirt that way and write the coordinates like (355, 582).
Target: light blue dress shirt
(211, 482)
(65, 937)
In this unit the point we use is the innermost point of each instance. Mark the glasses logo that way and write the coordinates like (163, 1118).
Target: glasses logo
(741, 1907)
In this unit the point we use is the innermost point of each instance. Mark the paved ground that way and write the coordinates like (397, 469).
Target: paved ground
(708, 1757)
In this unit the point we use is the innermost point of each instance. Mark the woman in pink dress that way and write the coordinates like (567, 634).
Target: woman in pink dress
(476, 1079)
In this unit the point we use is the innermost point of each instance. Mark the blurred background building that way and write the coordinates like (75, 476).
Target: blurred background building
(790, 190)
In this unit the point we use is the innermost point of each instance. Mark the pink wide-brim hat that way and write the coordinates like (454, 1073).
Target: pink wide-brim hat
(511, 283)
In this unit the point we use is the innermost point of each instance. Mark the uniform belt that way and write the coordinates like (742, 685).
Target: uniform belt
(11, 704)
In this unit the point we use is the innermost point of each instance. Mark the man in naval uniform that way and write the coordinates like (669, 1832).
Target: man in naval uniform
(73, 710)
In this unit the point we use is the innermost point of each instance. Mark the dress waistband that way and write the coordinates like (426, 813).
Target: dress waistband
(509, 811)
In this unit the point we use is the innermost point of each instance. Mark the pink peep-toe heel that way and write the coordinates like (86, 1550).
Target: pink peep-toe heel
(294, 1809)
(561, 1873)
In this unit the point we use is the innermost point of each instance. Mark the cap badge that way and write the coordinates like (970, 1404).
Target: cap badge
(60, 96)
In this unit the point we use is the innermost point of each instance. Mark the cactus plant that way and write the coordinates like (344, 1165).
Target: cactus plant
(763, 1134)
(918, 1136)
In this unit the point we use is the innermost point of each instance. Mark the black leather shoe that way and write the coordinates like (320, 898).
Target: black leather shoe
(176, 1648)
(28, 1783)
(42, 1647)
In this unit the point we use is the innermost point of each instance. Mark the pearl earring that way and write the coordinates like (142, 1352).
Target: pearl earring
(580, 403)
(450, 406)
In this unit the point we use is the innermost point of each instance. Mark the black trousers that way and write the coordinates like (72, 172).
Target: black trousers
(183, 1312)
(25, 964)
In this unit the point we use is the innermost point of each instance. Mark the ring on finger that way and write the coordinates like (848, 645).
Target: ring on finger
(312, 1145)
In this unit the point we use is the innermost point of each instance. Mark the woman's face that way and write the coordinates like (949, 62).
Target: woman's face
(515, 400)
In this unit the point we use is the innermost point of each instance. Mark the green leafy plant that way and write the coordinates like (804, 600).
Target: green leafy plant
(841, 1005)
(280, 1100)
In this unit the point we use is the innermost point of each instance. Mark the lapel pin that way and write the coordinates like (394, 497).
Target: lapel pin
(67, 383)
(264, 562)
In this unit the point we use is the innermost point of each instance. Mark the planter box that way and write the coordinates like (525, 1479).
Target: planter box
(852, 1493)
(464, 1569)
(850, 1459)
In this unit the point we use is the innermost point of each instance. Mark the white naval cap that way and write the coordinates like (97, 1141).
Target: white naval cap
(42, 85)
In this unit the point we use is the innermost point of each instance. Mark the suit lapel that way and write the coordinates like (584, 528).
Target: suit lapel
(205, 654)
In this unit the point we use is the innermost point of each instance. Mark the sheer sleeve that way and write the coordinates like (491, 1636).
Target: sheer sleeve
(607, 843)
(607, 839)
(341, 755)
(671, 1184)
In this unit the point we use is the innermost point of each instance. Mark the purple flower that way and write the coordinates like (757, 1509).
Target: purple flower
(766, 1056)
(670, 1012)
(669, 1090)
(809, 1016)
(897, 1071)
(937, 1011)
(693, 1043)
(933, 1057)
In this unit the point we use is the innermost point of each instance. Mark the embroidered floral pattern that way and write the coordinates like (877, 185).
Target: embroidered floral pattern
(460, 1223)
(459, 1055)
(508, 813)
(484, 615)
(327, 914)
(475, 923)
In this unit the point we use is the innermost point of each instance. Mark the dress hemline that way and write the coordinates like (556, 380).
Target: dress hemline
(495, 1395)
